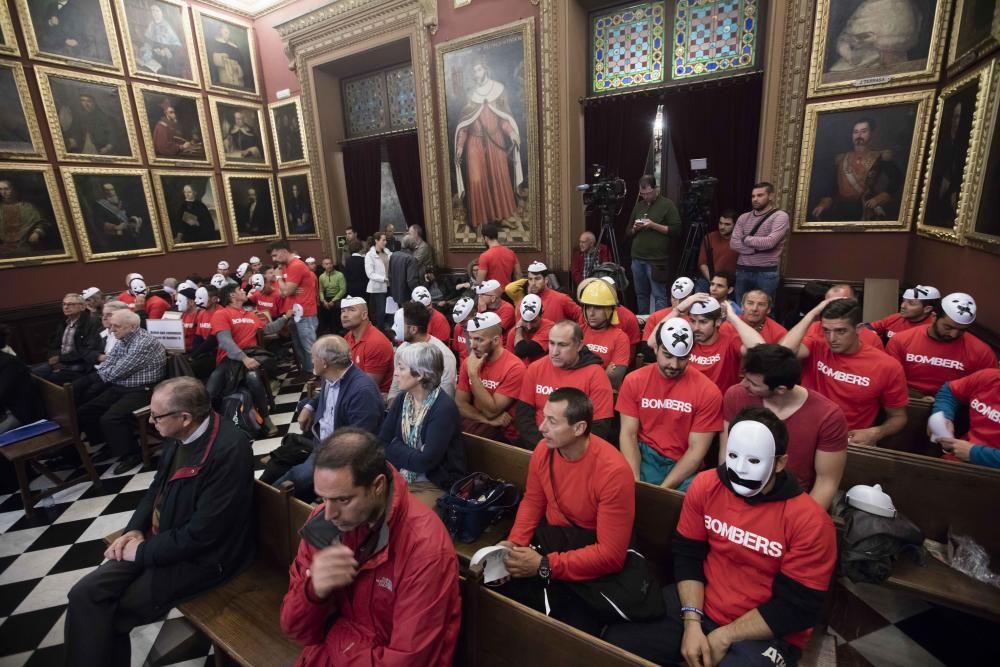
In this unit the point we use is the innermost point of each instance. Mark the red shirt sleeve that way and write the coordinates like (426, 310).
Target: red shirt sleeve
(155, 307)
(691, 523)
(295, 273)
(708, 418)
(485, 260)
(463, 378)
(736, 399)
(963, 388)
(627, 396)
(832, 433)
(221, 321)
(811, 552)
(620, 352)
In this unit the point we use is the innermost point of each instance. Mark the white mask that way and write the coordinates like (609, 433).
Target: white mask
(201, 297)
(749, 457)
(137, 286)
(218, 281)
(182, 303)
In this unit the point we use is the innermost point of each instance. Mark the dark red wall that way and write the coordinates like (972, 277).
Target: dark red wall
(848, 256)
(952, 268)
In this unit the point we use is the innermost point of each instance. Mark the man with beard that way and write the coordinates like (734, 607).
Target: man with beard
(22, 227)
(558, 306)
(915, 310)
(529, 339)
(759, 237)
(716, 254)
(192, 221)
(167, 138)
(113, 226)
(243, 141)
(91, 130)
(489, 382)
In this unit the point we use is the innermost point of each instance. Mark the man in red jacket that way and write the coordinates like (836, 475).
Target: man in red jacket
(375, 579)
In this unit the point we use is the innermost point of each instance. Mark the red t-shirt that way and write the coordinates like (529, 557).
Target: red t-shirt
(498, 262)
(867, 336)
(609, 343)
(723, 256)
(819, 425)
(270, 303)
(596, 492)
(629, 323)
(896, 323)
(460, 343)
(771, 332)
(859, 383)
(204, 321)
(669, 409)
(654, 320)
(297, 272)
(542, 378)
(127, 299)
(507, 316)
(503, 377)
(190, 321)
(981, 391)
(439, 327)
(156, 306)
(929, 363)
(539, 335)
(556, 306)
(748, 545)
(241, 324)
(373, 353)
(721, 360)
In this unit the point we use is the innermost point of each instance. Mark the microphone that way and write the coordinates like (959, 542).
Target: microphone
(584, 188)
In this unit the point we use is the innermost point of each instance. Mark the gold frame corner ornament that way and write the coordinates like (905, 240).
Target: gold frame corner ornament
(29, 112)
(206, 70)
(959, 61)
(234, 232)
(219, 141)
(975, 238)
(35, 52)
(271, 108)
(190, 48)
(69, 253)
(161, 201)
(138, 88)
(9, 47)
(317, 221)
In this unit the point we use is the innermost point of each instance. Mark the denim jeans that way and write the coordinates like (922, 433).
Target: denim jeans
(303, 336)
(642, 280)
(766, 281)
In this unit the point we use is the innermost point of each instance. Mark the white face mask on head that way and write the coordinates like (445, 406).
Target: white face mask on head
(749, 457)
(182, 303)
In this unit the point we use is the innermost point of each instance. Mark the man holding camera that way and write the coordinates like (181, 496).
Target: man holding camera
(655, 221)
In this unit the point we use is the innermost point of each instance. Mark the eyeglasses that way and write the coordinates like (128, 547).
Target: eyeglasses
(156, 418)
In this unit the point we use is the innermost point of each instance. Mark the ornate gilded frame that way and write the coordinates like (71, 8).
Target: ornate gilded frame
(69, 254)
(980, 164)
(930, 72)
(28, 110)
(227, 178)
(206, 71)
(220, 147)
(966, 208)
(161, 200)
(76, 210)
(271, 108)
(45, 74)
(35, 52)
(959, 61)
(133, 67)
(317, 222)
(9, 46)
(459, 235)
(147, 131)
(923, 100)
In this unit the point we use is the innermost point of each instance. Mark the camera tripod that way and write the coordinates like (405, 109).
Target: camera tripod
(608, 233)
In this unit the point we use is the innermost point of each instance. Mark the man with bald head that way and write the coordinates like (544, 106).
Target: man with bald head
(371, 351)
(586, 259)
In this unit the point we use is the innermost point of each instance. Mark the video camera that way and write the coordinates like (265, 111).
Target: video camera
(606, 191)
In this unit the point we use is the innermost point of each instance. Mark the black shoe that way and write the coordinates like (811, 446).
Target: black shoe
(126, 464)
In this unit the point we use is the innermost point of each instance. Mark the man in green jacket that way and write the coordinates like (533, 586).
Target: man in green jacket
(655, 221)
(332, 288)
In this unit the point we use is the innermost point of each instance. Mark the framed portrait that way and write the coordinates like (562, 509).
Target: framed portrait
(158, 40)
(228, 53)
(90, 117)
(173, 125)
(240, 133)
(486, 82)
(983, 227)
(946, 206)
(297, 204)
(8, 43)
(75, 32)
(286, 128)
(113, 212)
(876, 44)
(976, 32)
(860, 162)
(19, 134)
(190, 207)
(40, 233)
(251, 206)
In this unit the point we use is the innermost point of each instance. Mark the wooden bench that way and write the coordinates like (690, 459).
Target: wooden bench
(913, 438)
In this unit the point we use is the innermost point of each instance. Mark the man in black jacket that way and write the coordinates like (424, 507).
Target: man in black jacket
(75, 345)
(192, 531)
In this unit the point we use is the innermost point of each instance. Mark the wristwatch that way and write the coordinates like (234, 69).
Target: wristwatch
(543, 569)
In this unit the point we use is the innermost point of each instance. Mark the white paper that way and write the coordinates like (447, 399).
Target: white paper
(492, 561)
(937, 423)
(168, 332)
(390, 305)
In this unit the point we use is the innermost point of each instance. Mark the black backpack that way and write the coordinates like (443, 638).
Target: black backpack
(238, 408)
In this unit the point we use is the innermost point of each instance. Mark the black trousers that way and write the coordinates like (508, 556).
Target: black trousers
(108, 417)
(329, 320)
(256, 382)
(564, 604)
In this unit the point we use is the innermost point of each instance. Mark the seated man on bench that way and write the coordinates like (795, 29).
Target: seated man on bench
(981, 393)
(753, 557)
(192, 531)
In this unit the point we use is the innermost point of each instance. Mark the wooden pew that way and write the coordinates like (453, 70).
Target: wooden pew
(913, 438)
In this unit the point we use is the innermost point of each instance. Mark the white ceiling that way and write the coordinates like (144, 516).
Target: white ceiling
(249, 6)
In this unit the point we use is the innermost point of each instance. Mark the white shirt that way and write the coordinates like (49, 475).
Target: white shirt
(449, 378)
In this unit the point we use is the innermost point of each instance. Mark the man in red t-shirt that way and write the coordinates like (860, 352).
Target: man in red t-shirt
(371, 351)
(568, 364)
(756, 309)
(981, 393)
(723, 257)
(189, 315)
(490, 300)
(817, 429)
(489, 382)
(944, 350)
(915, 310)
(575, 478)
(498, 262)
(460, 313)
(558, 306)
(753, 558)
(529, 339)
(845, 291)
(669, 413)
(681, 289)
(600, 331)
(857, 377)
(438, 326)
(298, 285)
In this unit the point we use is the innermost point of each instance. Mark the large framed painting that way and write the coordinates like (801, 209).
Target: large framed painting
(113, 212)
(228, 53)
(173, 125)
(72, 32)
(240, 133)
(251, 206)
(190, 207)
(976, 32)
(876, 44)
(983, 227)
(946, 206)
(90, 117)
(8, 43)
(860, 162)
(19, 134)
(34, 225)
(286, 128)
(158, 40)
(297, 204)
(486, 88)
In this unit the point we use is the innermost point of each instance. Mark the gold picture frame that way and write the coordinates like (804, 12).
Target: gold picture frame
(300, 220)
(246, 227)
(834, 77)
(142, 65)
(508, 53)
(174, 207)
(69, 87)
(223, 120)
(193, 110)
(289, 141)
(16, 86)
(984, 199)
(33, 187)
(106, 231)
(835, 145)
(92, 52)
(944, 200)
(974, 33)
(223, 77)
(8, 41)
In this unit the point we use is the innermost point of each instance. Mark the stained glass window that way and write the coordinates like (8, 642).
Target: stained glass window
(402, 98)
(712, 36)
(365, 105)
(627, 46)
